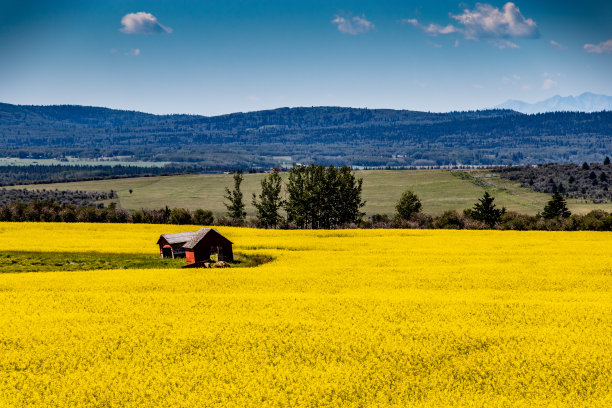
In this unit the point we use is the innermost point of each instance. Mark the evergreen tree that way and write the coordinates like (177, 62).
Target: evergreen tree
(556, 207)
(484, 210)
(606, 161)
(234, 204)
(585, 166)
(408, 204)
(270, 201)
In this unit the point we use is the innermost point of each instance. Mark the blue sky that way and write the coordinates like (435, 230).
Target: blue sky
(215, 57)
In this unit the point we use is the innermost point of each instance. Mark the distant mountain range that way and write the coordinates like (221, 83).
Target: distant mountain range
(330, 135)
(586, 102)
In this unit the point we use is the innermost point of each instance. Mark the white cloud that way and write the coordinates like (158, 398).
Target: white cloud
(133, 52)
(486, 21)
(420, 84)
(142, 23)
(457, 43)
(601, 48)
(431, 29)
(501, 44)
(557, 45)
(549, 84)
(353, 25)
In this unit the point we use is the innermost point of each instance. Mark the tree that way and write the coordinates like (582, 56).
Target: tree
(408, 204)
(606, 161)
(234, 204)
(556, 207)
(349, 201)
(323, 196)
(585, 166)
(484, 210)
(270, 201)
(180, 216)
(203, 217)
(297, 205)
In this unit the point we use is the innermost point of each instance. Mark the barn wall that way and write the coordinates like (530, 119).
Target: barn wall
(202, 249)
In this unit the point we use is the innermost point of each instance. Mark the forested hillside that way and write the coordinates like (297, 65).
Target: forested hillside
(331, 135)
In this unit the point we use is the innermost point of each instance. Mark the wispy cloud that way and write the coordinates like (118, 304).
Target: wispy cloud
(419, 84)
(549, 83)
(485, 22)
(133, 52)
(431, 29)
(514, 79)
(558, 46)
(501, 44)
(142, 23)
(601, 48)
(353, 25)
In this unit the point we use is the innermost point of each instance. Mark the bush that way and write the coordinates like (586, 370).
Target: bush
(180, 216)
(203, 217)
(517, 222)
(449, 220)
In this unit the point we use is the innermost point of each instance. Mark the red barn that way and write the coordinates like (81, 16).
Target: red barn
(196, 246)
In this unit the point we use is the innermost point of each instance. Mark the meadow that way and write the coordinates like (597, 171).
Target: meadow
(439, 190)
(339, 318)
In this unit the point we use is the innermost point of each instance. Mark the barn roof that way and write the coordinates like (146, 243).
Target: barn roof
(178, 238)
(200, 234)
(190, 238)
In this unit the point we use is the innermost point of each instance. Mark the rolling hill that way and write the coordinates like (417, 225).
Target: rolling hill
(330, 135)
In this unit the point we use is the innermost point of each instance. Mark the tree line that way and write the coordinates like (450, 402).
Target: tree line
(318, 196)
(324, 134)
(589, 181)
(315, 196)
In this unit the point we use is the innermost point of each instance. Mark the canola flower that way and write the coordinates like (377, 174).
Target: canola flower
(340, 318)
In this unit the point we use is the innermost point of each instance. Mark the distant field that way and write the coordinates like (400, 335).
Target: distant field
(10, 161)
(440, 190)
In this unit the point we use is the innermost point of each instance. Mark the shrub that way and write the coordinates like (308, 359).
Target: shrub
(203, 217)
(449, 220)
(180, 216)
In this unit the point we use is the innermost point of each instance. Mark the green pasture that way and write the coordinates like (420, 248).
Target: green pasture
(439, 190)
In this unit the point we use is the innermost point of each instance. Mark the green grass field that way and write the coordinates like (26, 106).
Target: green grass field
(439, 190)
(21, 261)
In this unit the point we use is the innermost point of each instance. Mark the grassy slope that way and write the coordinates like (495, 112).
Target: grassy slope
(439, 190)
(22, 261)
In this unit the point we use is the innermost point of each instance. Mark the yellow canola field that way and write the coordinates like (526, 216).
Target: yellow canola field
(340, 318)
